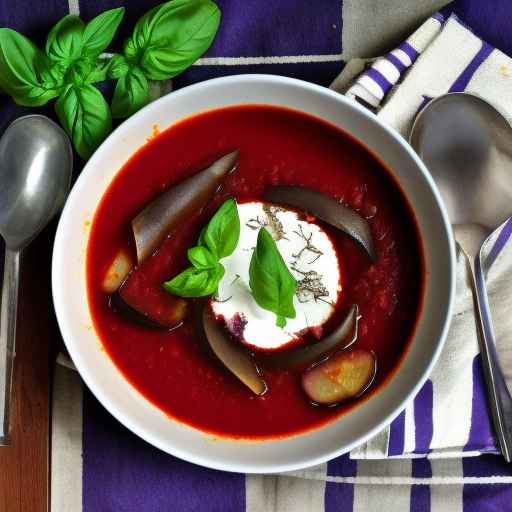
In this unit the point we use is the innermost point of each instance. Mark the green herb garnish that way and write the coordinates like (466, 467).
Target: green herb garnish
(272, 284)
(217, 240)
(165, 41)
(223, 231)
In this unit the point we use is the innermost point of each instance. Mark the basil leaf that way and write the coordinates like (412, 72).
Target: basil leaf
(64, 42)
(172, 36)
(201, 257)
(131, 93)
(84, 114)
(100, 31)
(194, 282)
(272, 285)
(200, 240)
(223, 231)
(24, 70)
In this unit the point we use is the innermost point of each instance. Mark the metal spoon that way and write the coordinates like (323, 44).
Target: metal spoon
(462, 140)
(36, 163)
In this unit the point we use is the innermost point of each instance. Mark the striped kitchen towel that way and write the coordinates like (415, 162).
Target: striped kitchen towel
(99, 466)
(448, 417)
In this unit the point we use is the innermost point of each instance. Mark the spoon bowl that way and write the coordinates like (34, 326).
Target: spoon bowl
(463, 140)
(36, 163)
(35, 175)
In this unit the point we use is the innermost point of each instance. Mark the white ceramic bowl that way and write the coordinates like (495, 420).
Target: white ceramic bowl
(143, 418)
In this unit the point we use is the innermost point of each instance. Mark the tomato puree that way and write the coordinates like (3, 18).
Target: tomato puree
(174, 369)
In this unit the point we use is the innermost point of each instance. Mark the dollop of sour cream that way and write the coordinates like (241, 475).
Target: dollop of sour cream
(312, 259)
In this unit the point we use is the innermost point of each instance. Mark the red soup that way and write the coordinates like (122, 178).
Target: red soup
(175, 369)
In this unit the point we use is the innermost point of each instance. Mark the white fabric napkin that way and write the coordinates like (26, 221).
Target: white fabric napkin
(444, 56)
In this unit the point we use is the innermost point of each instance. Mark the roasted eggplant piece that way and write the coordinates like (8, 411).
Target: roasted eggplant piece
(341, 338)
(162, 215)
(327, 209)
(154, 308)
(344, 375)
(235, 357)
(117, 271)
(118, 305)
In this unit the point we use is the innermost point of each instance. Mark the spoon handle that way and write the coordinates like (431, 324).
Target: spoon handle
(8, 316)
(499, 399)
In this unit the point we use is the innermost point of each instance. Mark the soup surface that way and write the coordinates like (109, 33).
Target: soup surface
(174, 369)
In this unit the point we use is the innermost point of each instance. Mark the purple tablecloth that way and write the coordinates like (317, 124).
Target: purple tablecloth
(120, 471)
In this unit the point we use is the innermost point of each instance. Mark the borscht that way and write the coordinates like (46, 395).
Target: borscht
(255, 272)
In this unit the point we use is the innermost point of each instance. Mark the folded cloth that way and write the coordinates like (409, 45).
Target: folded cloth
(448, 417)
(98, 465)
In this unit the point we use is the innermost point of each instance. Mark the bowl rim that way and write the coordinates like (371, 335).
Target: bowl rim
(97, 390)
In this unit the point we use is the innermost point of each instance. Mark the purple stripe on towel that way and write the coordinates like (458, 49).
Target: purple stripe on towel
(486, 465)
(409, 50)
(340, 496)
(463, 80)
(420, 494)
(421, 468)
(379, 79)
(499, 244)
(486, 497)
(397, 435)
(399, 65)
(480, 434)
(423, 418)
(123, 473)
(420, 498)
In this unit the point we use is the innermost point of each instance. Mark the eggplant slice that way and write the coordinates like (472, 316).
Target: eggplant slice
(235, 357)
(340, 339)
(117, 271)
(166, 312)
(343, 376)
(120, 306)
(162, 215)
(327, 209)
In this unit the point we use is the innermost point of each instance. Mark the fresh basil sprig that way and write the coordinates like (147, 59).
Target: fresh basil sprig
(165, 41)
(217, 240)
(272, 284)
